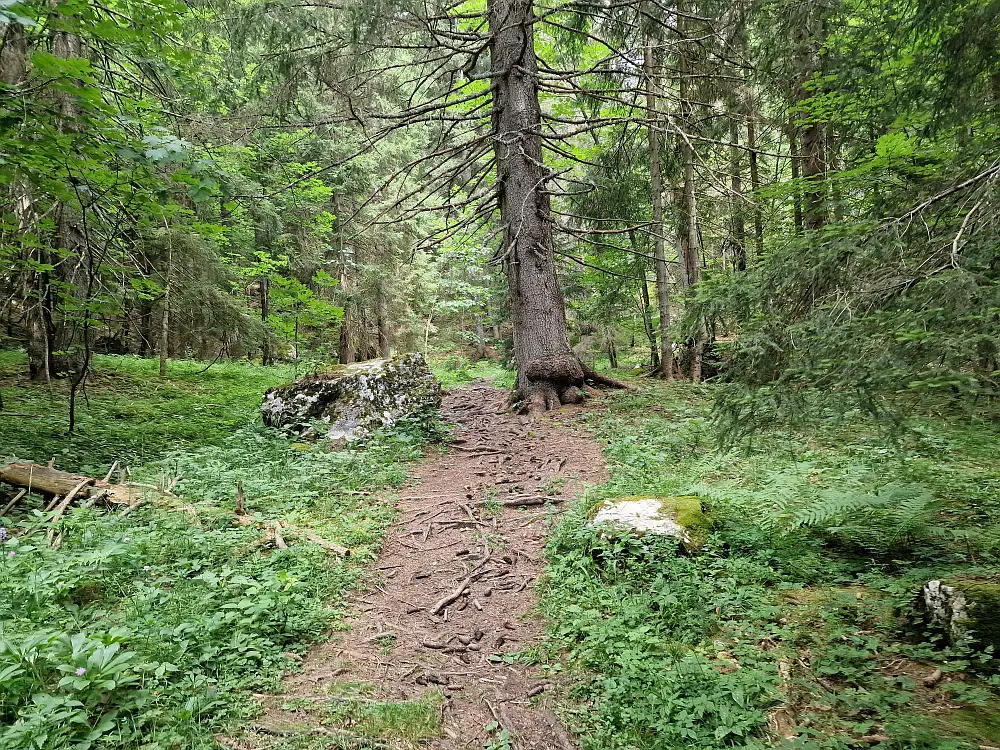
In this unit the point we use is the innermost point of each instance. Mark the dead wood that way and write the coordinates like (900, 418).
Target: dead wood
(13, 502)
(51, 482)
(933, 678)
(61, 508)
(274, 533)
(241, 499)
(466, 582)
(527, 500)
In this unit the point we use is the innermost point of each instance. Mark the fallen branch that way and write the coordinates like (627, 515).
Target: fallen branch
(61, 508)
(315, 539)
(13, 502)
(51, 482)
(279, 540)
(526, 500)
(462, 587)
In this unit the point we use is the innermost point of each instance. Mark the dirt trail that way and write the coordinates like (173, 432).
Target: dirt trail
(411, 634)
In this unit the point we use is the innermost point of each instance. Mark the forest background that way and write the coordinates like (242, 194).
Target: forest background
(804, 190)
(794, 202)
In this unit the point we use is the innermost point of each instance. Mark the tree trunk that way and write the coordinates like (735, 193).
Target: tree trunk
(165, 319)
(793, 151)
(384, 329)
(689, 245)
(666, 355)
(647, 323)
(480, 333)
(814, 158)
(537, 306)
(738, 228)
(758, 219)
(54, 483)
(69, 268)
(346, 350)
(267, 354)
(14, 73)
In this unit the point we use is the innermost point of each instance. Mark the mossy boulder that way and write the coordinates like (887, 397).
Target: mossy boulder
(966, 610)
(351, 401)
(680, 518)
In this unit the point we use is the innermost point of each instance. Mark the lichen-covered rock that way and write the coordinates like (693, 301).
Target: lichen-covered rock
(966, 610)
(680, 518)
(353, 400)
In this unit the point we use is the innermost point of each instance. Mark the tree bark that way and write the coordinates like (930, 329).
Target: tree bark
(70, 262)
(689, 236)
(537, 308)
(758, 219)
(34, 287)
(480, 334)
(346, 350)
(814, 157)
(647, 323)
(384, 329)
(267, 354)
(165, 319)
(54, 483)
(738, 227)
(793, 151)
(665, 366)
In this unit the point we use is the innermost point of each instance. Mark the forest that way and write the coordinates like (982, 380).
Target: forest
(741, 259)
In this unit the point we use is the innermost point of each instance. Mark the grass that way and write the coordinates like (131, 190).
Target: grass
(797, 617)
(151, 629)
(128, 413)
(455, 370)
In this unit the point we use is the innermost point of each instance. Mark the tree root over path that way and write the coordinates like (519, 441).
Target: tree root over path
(455, 596)
(558, 380)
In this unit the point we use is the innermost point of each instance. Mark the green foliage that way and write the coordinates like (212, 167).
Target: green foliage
(802, 597)
(456, 370)
(151, 628)
(128, 414)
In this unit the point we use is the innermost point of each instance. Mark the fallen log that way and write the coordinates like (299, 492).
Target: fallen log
(50, 482)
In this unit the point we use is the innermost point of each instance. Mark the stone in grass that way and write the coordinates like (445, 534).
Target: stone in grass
(351, 401)
(966, 610)
(680, 518)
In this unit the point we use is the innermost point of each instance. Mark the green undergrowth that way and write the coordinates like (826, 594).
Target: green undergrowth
(455, 370)
(150, 629)
(794, 626)
(126, 412)
(353, 721)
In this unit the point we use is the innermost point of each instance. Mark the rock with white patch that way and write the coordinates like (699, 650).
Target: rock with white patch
(352, 401)
(680, 518)
(966, 610)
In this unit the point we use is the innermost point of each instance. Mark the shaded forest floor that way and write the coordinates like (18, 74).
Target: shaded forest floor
(794, 626)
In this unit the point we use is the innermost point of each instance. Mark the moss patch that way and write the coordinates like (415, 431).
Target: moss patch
(685, 511)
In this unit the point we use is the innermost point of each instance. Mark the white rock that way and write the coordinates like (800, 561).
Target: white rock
(644, 515)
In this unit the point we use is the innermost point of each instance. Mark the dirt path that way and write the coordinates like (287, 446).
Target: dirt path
(458, 571)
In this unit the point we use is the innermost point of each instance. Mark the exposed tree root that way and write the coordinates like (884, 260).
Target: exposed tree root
(557, 380)
(592, 376)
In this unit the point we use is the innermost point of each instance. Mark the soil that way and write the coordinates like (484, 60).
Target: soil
(461, 522)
